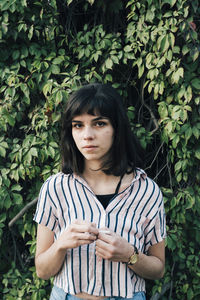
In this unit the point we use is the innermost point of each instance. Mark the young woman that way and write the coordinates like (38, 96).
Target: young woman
(101, 222)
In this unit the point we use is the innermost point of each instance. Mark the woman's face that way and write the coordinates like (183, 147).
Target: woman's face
(93, 136)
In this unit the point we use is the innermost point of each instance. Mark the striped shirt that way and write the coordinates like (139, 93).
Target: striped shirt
(136, 213)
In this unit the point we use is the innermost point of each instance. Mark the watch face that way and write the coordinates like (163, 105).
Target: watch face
(133, 259)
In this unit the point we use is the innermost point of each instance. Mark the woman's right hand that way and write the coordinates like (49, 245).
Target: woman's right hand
(77, 234)
(47, 250)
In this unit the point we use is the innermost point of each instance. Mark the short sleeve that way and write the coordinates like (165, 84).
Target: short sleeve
(46, 208)
(155, 230)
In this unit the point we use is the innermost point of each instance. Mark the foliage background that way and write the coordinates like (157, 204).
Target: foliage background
(149, 51)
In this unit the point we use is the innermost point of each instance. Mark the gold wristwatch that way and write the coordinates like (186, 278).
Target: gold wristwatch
(134, 257)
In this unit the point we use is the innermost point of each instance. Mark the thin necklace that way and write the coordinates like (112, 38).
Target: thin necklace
(119, 184)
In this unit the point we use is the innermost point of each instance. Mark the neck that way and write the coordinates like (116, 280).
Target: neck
(100, 182)
(93, 172)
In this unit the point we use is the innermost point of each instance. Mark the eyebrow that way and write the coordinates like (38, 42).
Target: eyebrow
(93, 120)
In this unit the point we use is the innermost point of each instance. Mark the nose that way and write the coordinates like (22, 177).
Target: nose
(88, 133)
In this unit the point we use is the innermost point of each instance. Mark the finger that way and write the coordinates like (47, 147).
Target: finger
(90, 236)
(105, 231)
(86, 236)
(83, 222)
(103, 254)
(106, 237)
(100, 253)
(100, 244)
(84, 228)
(85, 242)
(76, 236)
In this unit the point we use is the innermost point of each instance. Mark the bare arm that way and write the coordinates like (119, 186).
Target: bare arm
(114, 247)
(50, 254)
(151, 266)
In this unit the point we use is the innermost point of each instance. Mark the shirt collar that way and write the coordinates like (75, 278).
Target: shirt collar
(139, 173)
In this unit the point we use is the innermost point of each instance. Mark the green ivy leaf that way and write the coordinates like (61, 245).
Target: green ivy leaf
(171, 242)
(196, 132)
(16, 187)
(109, 63)
(17, 198)
(162, 109)
(178, 165)
(197, 154)
(30, 34)
(196, 83)
(164, 45)
(10, 120)
(7, 202)
(59, 97)
(55, 69)
(2, 151)
(58, 60)
(128, 48)
(2, 217)
(34, 152)
(15, 54)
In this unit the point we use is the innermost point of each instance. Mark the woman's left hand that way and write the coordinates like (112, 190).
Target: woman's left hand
(112, 246)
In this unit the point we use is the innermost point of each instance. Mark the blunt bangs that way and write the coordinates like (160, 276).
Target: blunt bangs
(93, 102)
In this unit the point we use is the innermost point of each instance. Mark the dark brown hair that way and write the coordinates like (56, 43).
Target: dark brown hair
(103, 100)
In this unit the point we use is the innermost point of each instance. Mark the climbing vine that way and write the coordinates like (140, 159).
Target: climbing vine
(149, 51)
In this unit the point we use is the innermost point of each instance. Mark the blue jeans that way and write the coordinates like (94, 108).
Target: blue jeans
(59, 294)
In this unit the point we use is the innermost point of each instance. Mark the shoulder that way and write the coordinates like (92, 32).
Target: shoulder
(151, 194)
(142, 175)
(56, 180)
(54, 188)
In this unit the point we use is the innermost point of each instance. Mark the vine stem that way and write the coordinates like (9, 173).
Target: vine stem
(155, 122)
(22, 212)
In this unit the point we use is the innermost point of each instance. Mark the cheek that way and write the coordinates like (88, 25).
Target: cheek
(109, 137)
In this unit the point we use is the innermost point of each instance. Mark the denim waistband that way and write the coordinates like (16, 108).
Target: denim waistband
(58, 294)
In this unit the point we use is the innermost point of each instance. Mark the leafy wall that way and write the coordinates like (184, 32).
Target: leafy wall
(149, 51)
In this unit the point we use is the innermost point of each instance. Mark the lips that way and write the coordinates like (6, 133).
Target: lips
(89, 147)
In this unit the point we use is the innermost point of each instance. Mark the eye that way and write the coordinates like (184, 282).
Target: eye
(100, 123)
(76, 125)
